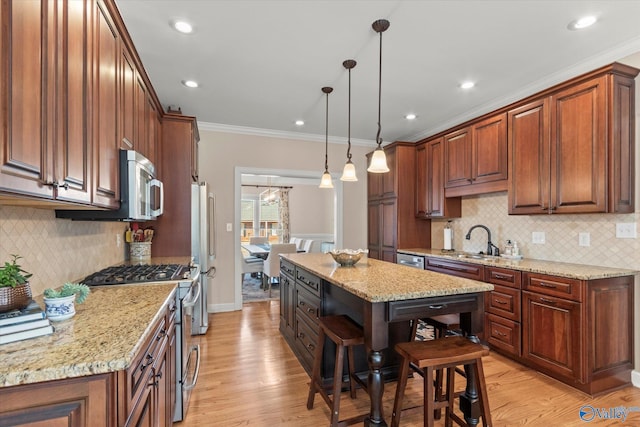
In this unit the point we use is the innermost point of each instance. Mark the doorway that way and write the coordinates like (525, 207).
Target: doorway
(262, 179)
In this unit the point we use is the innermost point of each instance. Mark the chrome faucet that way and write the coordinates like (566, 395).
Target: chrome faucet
(491, 248)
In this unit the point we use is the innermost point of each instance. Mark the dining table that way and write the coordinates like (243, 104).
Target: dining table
(258, 250)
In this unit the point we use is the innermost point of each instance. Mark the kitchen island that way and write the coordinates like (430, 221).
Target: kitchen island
(383, 298)
(89, 368)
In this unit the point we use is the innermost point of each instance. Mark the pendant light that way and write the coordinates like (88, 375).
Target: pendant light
(349, 171)
(379, 159)
(325, 181)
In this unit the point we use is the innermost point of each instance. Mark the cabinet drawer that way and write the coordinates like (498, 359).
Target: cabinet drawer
(308, 280)
(502, 333)
(553, 285)
(308, 305)
(287, 268)
(454, 268)
(504, 302)
(137, 374)
(503, 276)
(306, 341)
(434, 306)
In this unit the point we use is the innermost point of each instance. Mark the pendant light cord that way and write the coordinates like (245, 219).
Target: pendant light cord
(378, 139)
(326, 137)
(349, 121)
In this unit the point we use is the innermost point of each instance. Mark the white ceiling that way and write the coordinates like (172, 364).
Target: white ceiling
(262, 63)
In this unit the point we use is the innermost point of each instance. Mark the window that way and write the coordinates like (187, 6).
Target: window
(259, 218)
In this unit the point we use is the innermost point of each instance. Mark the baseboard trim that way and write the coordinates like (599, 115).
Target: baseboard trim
(635, 378)
(219, 308)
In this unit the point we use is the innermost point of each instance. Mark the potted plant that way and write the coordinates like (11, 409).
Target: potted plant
(60, 303)
(15, 291)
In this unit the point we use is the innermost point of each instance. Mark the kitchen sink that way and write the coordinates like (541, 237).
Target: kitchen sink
(470, 255)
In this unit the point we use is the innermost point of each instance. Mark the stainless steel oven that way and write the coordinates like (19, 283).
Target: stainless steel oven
(188, 296)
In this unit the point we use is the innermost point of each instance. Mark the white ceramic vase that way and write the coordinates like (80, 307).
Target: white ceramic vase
(60, 308)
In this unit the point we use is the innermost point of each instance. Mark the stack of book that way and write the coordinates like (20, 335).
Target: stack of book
(30, 322)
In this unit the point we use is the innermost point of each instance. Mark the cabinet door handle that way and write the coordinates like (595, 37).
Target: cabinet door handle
(548, 301)
(311, 346)
(499, 333)
(311, 310)
(547, 285)
(147, 361)
(500, 301)
(300, 335)
(437, 307)
(502, 276)
(161, 334)
(302, 304)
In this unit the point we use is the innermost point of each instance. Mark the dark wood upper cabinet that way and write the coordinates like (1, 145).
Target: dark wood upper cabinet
(572, 150)
(430, 199)
(391, 206)
(475, 157)
(45, 148)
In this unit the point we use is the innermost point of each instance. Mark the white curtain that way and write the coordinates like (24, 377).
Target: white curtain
(284, 215)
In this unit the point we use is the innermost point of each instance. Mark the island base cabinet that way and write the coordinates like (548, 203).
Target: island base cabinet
(78, 402)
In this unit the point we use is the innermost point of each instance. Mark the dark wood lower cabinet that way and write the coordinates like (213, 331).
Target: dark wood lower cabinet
(577, 331)
(142, 396)
(73, 402)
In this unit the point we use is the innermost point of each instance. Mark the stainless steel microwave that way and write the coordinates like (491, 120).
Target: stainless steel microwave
(141, 193)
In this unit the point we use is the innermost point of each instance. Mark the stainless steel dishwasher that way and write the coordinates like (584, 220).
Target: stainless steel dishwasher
(415, 261)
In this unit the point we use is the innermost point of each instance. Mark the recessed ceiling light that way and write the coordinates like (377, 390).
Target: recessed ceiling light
(299, 122)
(581, 23)
(467, 85)
(183, 27)
(410, 116)
(190, 83)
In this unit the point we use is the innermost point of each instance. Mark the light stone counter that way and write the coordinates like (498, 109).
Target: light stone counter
(380, 281)
(104, 336)
(562, 269)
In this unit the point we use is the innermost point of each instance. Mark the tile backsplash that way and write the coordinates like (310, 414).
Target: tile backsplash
(57, 250)
(561, 233)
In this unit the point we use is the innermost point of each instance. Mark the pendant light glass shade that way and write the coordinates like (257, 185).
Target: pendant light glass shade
(325, 181)
(379, 159)
(349, 171)
(378, 162)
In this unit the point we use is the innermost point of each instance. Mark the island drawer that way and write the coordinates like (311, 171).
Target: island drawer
(428, 307)
(503, 301)
(556, 286)
(287, 268)
(503, 276)
(502, 333)
(309, 281)
(308, 305)
(306, 341)
(455, 268)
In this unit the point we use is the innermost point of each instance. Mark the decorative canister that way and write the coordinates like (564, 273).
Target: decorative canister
(60, 308)
(139, 251)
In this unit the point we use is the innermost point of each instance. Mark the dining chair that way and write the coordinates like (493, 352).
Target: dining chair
(251, 264)
(256, 240)
(307, 245)
(271, 268)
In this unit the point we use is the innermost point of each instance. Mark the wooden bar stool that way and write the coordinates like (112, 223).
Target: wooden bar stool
(431, 356)
(345, 333)
(441, 326)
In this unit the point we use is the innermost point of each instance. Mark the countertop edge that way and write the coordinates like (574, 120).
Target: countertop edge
(554, 268)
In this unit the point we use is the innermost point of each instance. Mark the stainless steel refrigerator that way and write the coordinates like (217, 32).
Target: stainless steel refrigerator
(203, 249)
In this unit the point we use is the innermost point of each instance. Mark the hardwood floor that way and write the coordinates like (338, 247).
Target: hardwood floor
(250, 377)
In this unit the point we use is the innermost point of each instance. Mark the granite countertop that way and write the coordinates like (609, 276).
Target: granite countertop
(562, 269)
(104, 336)
(380, 281)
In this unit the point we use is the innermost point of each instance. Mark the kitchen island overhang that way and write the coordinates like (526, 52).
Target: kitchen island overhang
(383, 297)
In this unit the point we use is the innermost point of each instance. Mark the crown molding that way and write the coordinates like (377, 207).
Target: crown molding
(270, 133)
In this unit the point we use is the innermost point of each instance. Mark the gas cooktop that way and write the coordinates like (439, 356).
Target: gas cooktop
(139, 273)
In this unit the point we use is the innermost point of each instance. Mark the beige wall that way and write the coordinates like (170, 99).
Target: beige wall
(57, 250)
(311, 210)
(223, 155)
